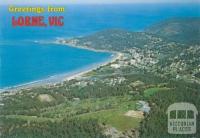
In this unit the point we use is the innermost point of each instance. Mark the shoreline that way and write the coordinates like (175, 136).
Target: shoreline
(60, 78)
(60, 42)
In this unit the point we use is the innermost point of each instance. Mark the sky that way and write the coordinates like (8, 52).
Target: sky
(2, 2)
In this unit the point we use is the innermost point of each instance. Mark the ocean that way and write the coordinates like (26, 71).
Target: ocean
(22, 60)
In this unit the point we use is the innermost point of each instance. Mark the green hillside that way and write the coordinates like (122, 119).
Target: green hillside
(182, 30)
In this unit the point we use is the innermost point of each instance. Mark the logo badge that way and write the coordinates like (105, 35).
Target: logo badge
(182, 118)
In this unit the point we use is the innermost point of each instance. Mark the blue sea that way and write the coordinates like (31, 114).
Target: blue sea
(23, 60)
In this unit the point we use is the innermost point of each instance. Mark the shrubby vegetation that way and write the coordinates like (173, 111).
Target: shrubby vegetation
(64, 128)
(181, 30)
(155, 124)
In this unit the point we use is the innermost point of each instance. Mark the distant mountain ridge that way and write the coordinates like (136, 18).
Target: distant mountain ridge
(181, 30)
(114, 40)
(185, 31)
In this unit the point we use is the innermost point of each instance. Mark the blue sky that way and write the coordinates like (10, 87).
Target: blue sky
(93, 1)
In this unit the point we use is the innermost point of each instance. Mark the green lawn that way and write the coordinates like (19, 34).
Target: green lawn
(109, 110)
(73, 108)
(151, 91)
(114, 118)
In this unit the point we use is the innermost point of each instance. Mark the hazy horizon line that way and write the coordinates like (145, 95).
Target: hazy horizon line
(102, 3)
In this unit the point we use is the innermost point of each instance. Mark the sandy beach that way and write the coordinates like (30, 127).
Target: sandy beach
(56, 79)
(117, 56)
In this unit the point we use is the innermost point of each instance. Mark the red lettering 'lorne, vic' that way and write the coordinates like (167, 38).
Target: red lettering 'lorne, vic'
(28, 21)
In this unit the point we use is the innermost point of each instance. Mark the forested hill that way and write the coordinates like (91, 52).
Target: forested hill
(184, 31)
(181, 30)
(114, 39)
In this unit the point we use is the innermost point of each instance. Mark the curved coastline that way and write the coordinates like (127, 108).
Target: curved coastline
(59, 78)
